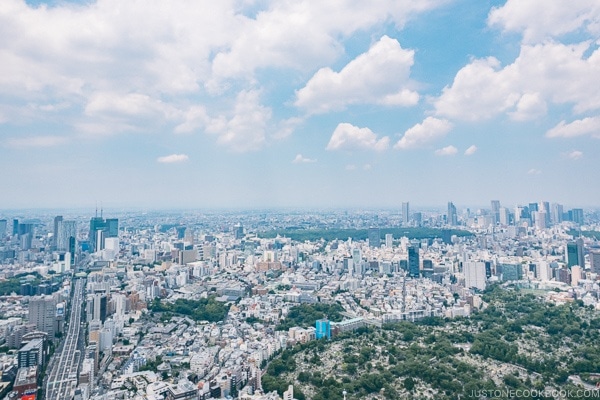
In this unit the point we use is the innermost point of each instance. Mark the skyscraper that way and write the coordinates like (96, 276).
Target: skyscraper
(3, 225)
(452, 216)
(575, 255)
(374, 237)
(475, 276)
(405, 214)
(67, 230)
(413, 261)
(101, 228)
(42, 313)
(577, 216)
(496, 211)
(595, 261)
(57, 220)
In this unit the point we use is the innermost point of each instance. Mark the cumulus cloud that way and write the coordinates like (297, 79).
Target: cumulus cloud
(544, 73)
(427, 131)
(534, 171)
(580, 127)
(36, 141)
(537, 20)
(378, 76)
(173, 158)
(574, 154)
(446, 151)
(246, 129)
(300, 159)
(349, 137)
(305, 34)
(471, 150)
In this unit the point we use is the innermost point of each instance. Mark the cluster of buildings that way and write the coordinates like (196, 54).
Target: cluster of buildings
(130, 353)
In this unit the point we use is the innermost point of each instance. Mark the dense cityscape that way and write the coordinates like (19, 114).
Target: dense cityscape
(199, 305)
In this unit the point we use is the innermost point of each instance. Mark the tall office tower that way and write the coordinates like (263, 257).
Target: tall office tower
(577, 216)
(504, 216)
(496, 211)
(533, 207)
(97, 307)
(417, 218)
(452, 216)
(389, 240)
(57, 220)
(239, 231)
(42, 313)
(413, 261)
(15, 229)
(595, 261)
(405, 214)
(474, 275)
(66, 236)
(540, 219)
(112, 228)
(109, 228)
(97, 224)
(374, 237)
(356, 256)
(575, 255)
(545, 207)
(3, 225)
(557, 213)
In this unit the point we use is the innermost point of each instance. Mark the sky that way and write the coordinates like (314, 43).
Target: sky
(298, 103)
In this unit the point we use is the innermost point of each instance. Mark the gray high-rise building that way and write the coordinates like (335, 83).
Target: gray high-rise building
(413, 261)
(3, 226)
(595, 261)
(496, 211)
(374, 237)
(42, 313)
(67, 235)
(57, 220)
(452, 215)
(405, 214)
(100, 229)
(575, 254)
(556, 214)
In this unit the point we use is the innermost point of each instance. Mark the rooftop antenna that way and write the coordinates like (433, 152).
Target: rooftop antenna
(101, 210)
(96, 209)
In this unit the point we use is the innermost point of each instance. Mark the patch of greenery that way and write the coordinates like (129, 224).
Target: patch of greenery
(302, 235)
(208, 309)
(305, 315)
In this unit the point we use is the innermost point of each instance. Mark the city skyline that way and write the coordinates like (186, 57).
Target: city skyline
(260, 104)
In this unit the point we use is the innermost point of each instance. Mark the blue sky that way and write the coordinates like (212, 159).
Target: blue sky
(242, 103)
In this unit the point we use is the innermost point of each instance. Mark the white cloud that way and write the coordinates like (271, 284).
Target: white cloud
(427, 131)
(300, 159)
(305, 34)
(349, 137)
(173, 158)
(350, 167)
(195, 118)
(246, 130)
(446, 151)
(545, 73)
(534, 171)
(36, 141)
(574, 154)
(580, 127)
(471, 150)
(379, 76)
(541, 19)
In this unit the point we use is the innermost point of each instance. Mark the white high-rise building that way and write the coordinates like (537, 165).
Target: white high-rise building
(474, 274)
(543, 271)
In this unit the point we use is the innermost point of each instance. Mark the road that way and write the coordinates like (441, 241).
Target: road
(62, 379)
